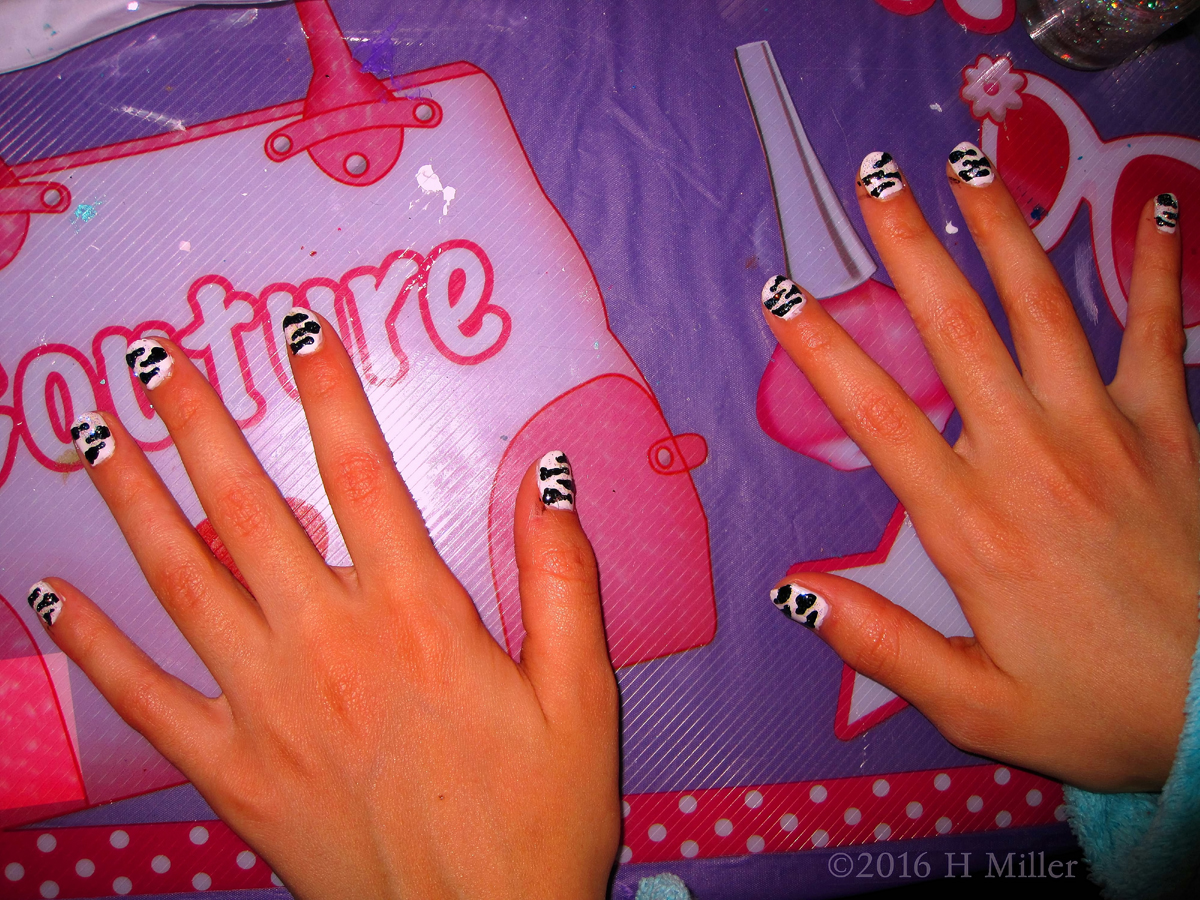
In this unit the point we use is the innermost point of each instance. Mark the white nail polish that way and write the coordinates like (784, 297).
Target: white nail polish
(800, 605)
(1166, 213)
(302, 331)
(782, 297)
(880, 175)
(971, 166)
(44, 602)
(92, 438)
(150, 362)
(556, 486)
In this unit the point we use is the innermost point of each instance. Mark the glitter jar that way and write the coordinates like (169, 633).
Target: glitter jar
(1096, 34)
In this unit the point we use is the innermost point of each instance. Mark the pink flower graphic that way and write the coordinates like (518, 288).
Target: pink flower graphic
(992, 88)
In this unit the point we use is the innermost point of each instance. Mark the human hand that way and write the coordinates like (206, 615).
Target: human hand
(1066, 517)
(371, 738)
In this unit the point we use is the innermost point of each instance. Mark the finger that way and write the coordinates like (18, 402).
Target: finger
(213, 612)
(898, 439)
(1150, 381)
(382, 526)
(1055, 356)
(270, 548)
(564, 654)
(948, 679)
(178, 720)
(954, 325)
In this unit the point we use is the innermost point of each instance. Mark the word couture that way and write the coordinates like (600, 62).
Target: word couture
(452, 285)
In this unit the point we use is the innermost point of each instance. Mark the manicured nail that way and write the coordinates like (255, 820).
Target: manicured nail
(880, 175)
(44, 602)
(800, 604)
(970, 165)
(150, 361)
(555, 484)
(92, 438)
(782, 297)
(302, 331)
(1166, 213)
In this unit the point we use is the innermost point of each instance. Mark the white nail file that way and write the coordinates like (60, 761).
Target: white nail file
(823, 251)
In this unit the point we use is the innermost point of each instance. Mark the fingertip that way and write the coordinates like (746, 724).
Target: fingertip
(1164, 210)
(879, 177)
(152, 361)
(783, 300)
(967, 164)
(46, 601)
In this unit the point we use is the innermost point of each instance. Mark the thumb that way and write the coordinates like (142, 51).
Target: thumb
(945, 678)
(564, 653)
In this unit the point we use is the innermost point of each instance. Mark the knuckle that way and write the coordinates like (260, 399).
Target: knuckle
(566, 559)
(360, 474)
(879, 416)
(1048, 307)
(142, 702)
(323, 380)
(902, 231)
(1162, 336)
(242, 504)
(958, 325)
(878, 652)
(188, 407)
(185, 585)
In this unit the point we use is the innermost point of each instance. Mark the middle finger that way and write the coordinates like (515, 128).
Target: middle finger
(280, 564)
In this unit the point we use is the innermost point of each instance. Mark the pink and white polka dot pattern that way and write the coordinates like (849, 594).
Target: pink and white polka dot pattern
(176, 857)
(159, 858)
(834, 812)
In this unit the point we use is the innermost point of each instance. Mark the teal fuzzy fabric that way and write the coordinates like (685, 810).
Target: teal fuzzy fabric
(1147, 846)
(663, 886)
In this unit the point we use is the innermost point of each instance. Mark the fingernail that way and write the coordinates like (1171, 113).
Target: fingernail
(1166, 213)
(800, 604)
(302, 331)
(880, 175)
(92, 438)
(150, 362)
(782, 297)
(44, 602)
(970, 165)
(555, 484)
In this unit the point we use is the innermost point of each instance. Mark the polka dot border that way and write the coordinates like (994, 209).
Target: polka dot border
(834, 812)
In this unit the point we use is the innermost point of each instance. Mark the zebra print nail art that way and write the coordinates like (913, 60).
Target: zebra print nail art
(302, 332)
(44, 602)
(800, 605)
(783, 297)
(555, 484)
(150, 362)
(1166, 213)
(92, 438)
(880, 175)
(971, 166)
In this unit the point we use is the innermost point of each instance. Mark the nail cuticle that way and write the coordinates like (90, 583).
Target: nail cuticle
(1166, 213)
(801, 605)
(93, 438)
(555, 482)
(783, 298)
(971, 166)
(880, 175)
(150, 362)
(302, 331)
(45, 602)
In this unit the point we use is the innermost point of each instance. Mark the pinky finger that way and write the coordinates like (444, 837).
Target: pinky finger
(950, 680)
(1150, 376)
(177, 719)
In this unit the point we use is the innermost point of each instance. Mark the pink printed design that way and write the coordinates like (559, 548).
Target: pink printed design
(158, 858)
(17, 201)
(38, 768)
(791, 412)
(1053, 160)
(992, 88)
(627, 468)
(980, 16)
(464, 322)
(834, 812)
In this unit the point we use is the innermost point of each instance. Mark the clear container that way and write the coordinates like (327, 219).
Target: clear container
(1096, 34)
